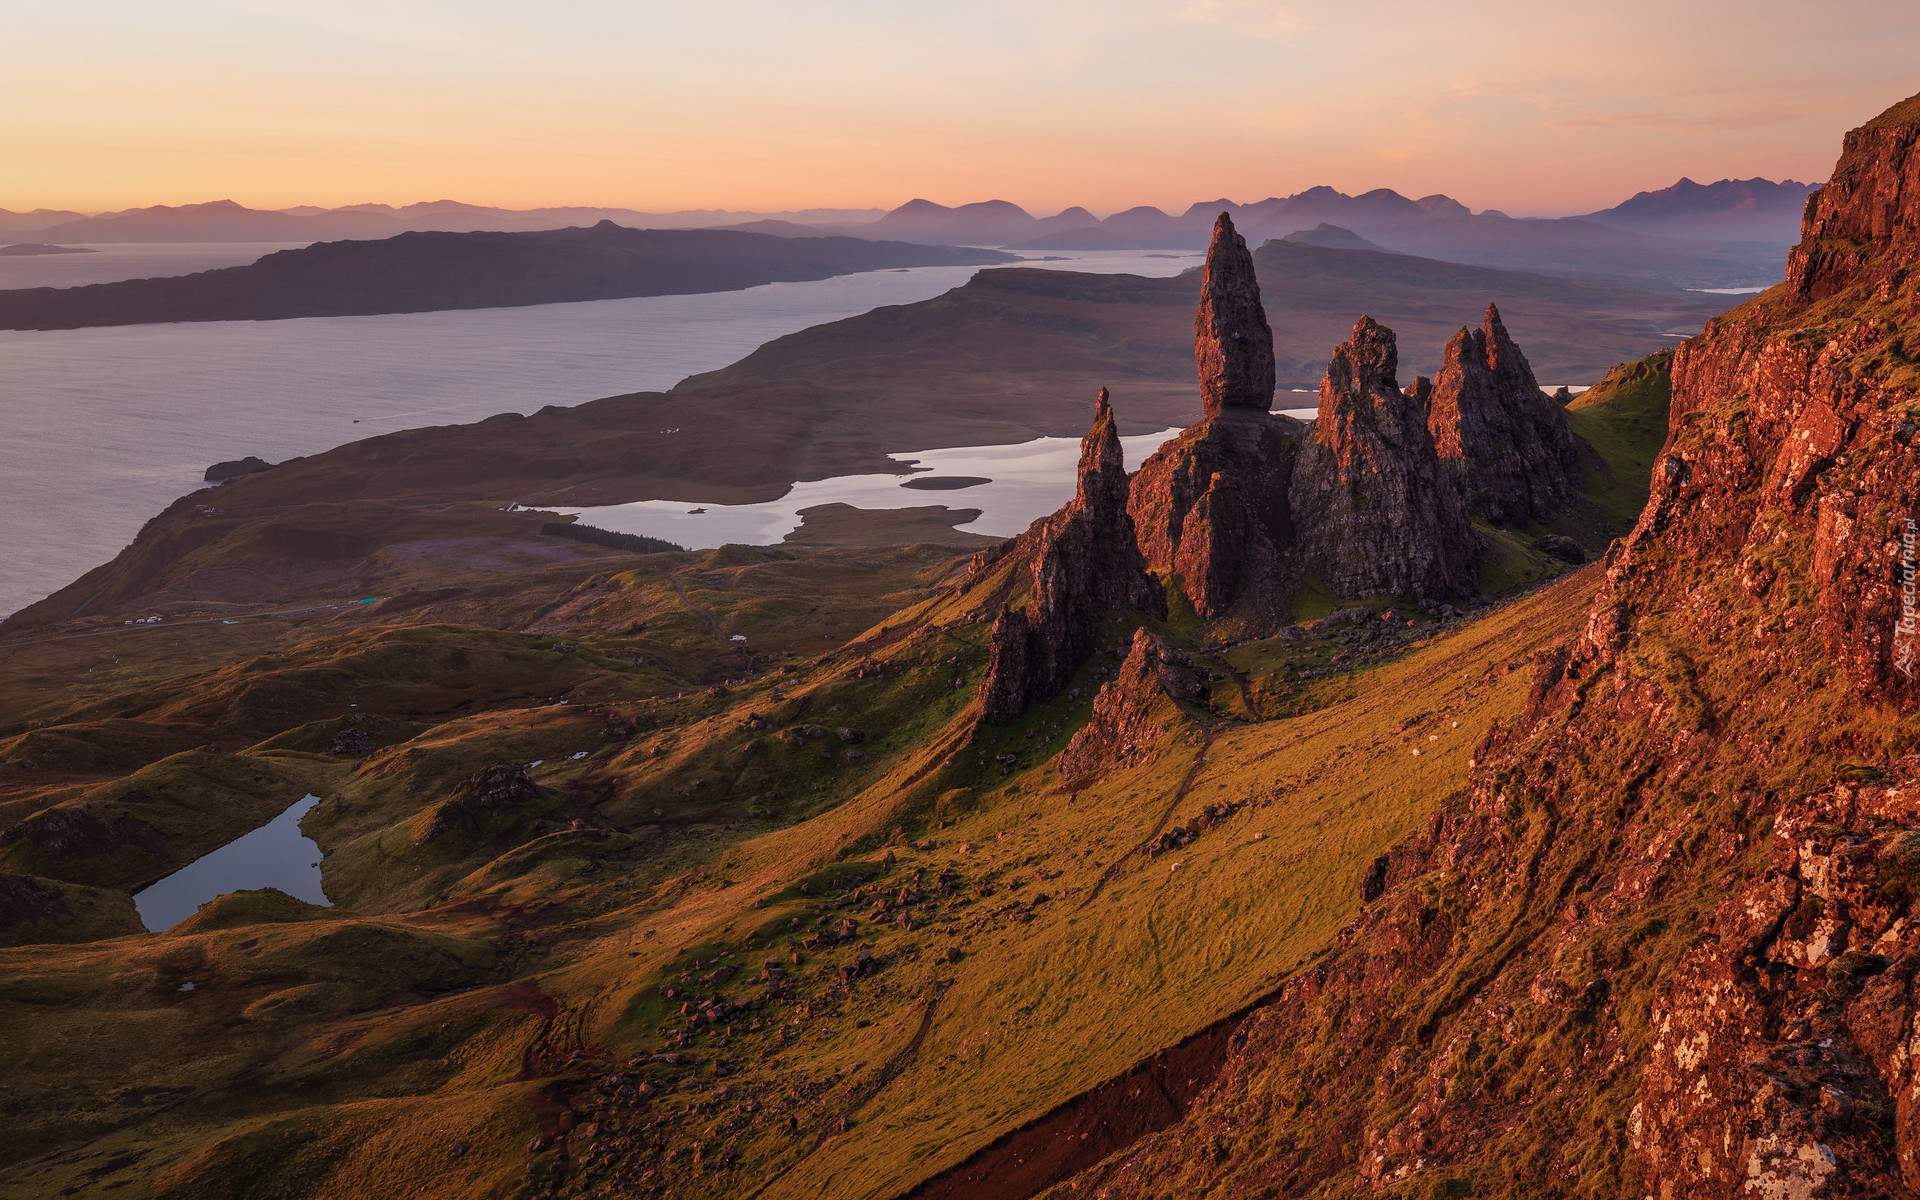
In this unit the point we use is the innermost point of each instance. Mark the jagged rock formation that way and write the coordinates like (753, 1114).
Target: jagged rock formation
(1211, 506)
(1510, 448)
(1085, 565)
(1127, 713)
(1375, 510)
(1212, 513)
(1663, 942)
(1864, 224)
(1232, 342)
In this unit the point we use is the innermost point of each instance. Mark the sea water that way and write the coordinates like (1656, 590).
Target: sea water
(102, 428)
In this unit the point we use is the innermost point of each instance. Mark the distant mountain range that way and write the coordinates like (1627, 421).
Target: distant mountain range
(1756, 210)
(1726, 234)
(431, 271)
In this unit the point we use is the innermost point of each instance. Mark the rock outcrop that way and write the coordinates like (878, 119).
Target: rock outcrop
(1211, 505)
(1510, 447)
(1782, 1062)
(1232, 342)
(1665, 940)
(1213, 517)
(1375, 510)
(1085, 565)
(1131, 710)
(1864, 224)
(503, 791)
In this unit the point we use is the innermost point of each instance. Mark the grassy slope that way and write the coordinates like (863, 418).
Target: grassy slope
(489, 976)
(1329, 790)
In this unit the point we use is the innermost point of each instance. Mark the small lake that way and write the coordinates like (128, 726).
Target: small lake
(275, 855)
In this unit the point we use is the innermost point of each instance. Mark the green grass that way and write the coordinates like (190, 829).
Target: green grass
(1623, 419)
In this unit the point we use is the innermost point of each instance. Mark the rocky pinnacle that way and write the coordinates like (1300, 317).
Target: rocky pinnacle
(1509, 447)
(1232, 342)
(1085, 563)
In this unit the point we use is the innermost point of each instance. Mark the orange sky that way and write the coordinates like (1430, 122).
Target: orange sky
(780, 104)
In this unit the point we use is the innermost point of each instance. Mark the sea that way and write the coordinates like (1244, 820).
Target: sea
(102, 428)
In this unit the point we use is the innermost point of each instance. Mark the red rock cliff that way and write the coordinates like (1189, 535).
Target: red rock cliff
(1376, 512)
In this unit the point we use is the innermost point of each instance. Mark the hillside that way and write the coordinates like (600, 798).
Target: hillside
(620, 901)
(429, 272)
(1285, 816)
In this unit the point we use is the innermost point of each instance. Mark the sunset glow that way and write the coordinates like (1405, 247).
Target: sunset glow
(753, 104)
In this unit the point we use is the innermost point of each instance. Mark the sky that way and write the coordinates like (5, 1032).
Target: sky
(770, 105)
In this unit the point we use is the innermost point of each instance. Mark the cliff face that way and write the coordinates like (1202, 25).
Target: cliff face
(1864, 225)
(1211, 509)
(1510, 448)
(1085, 564)
(1663, 941)
(1375, 509)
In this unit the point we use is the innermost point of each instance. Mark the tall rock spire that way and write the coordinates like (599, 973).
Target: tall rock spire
(1232, 342)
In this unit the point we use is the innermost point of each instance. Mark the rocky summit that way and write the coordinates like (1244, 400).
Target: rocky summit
(1232, 341)
(1376, 510)
(1510, 446)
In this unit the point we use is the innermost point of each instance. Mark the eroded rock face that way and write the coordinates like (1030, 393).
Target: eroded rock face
(1128, 712)
(1374, 509)
(1813, 475)
(1509, 447)
(1232, 342)
(1085, 564)
(1211, 509)
(1782, 1058)
(1864, 225)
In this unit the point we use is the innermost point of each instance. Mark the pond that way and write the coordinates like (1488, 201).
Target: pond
(275, 855)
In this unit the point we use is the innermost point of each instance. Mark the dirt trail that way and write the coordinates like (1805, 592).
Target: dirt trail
(1180, 793)
(887, 1073)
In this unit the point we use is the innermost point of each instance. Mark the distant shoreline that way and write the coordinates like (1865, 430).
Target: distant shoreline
(30, 249)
